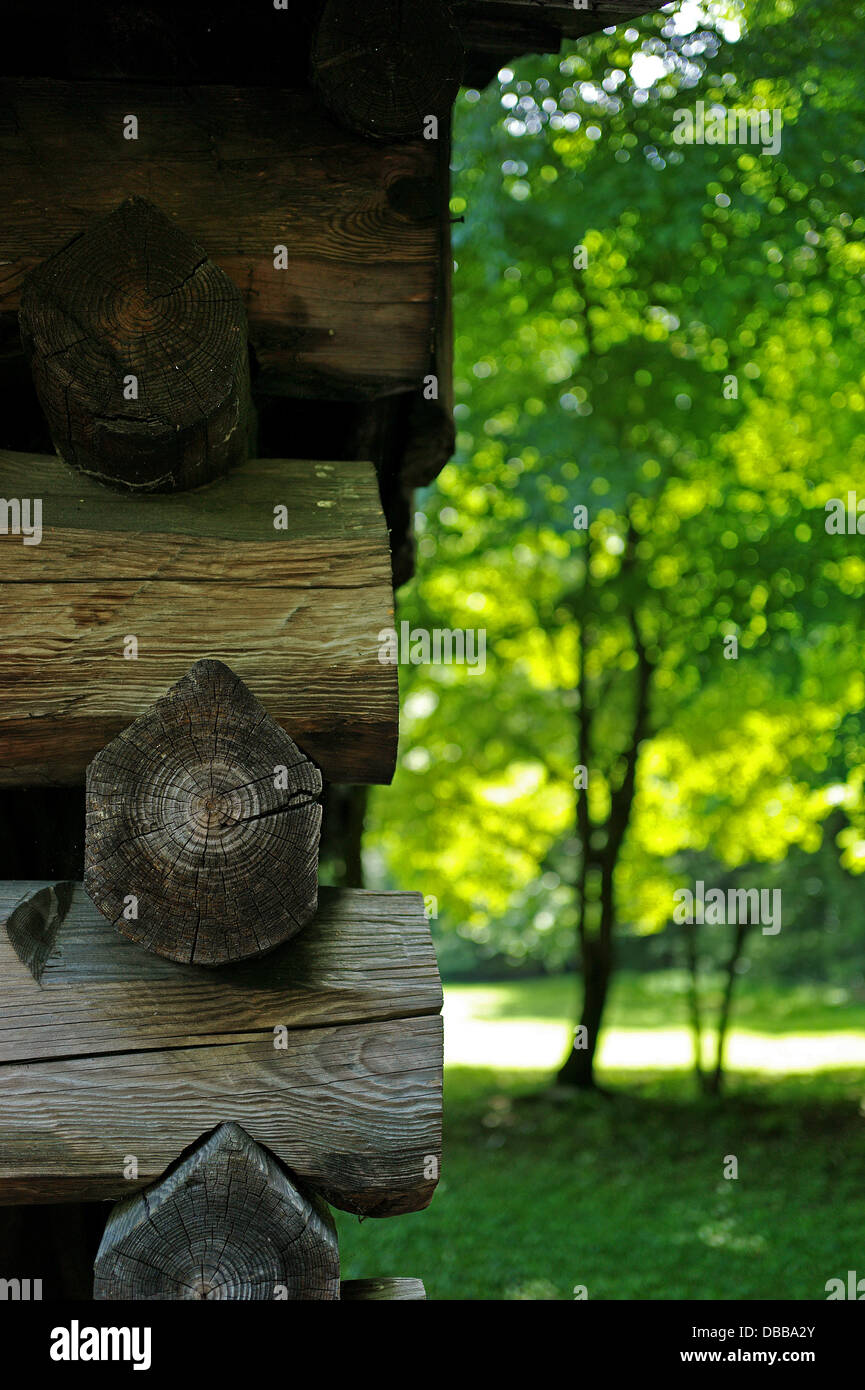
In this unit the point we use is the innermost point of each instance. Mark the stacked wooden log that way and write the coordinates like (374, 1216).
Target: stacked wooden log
(199, 634)
(114, 1059)
(280, 569)
(307, 1070)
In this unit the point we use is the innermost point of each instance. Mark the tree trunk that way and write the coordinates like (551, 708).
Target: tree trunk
(579, 1066)
(694, 1004)
(716, 1080)
(597, 948)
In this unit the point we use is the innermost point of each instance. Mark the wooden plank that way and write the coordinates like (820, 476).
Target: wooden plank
(365, 957)
(382, 1290)
(354, 1111)
(489, 23)
(295, 612)
(242, 171)
(161, 39)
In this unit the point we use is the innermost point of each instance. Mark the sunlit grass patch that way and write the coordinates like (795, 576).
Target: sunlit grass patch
(528, 1024)
(543, 1191)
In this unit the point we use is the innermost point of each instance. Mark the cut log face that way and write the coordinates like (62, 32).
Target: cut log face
(202, 825)
(138, 347)
(383, 69)
(224, 1223)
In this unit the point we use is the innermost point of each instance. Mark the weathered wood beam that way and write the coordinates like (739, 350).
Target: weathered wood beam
(203, 825)
(224, 1223)
(166, 42)
(245, 171)
(498, 24)
(328, 1051)
(432, 435)
(382, 1290)
(138, 347)
(354, 1111)
(364, 956)
(497, 31)
(384, 68)
(280, 569)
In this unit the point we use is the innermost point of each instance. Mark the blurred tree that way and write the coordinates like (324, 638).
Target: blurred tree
(661, 384)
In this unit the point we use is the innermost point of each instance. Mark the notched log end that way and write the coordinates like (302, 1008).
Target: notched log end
(226, 1221)
(33, 926)
(138, 345)
(203, 825)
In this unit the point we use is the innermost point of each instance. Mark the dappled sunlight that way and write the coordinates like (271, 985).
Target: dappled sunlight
(475, 1037)
(671, 1048)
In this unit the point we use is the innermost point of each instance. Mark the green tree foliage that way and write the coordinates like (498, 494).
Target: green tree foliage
(671, 336)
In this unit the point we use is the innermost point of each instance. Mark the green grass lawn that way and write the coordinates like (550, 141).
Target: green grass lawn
(625, 1194)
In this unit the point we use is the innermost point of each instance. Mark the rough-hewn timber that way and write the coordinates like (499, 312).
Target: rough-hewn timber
(364, 956)
(138, 347)
(328, 1051)
(355, 1111)
(224, 1223)
(166, 42)
(496, 31)
(383, 69)
(382, 1290)
(295, 612)
(244, 171)
(203, 825)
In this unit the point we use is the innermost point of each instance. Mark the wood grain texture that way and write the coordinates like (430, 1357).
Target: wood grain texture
(138, 347)
(225, 1223)
(382, 1290)
(203, 825)
(295, 613)
(365, 957)
(243, 171)
(32, 926)
(382, 68)
(354, 1111)
(329, 1052)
